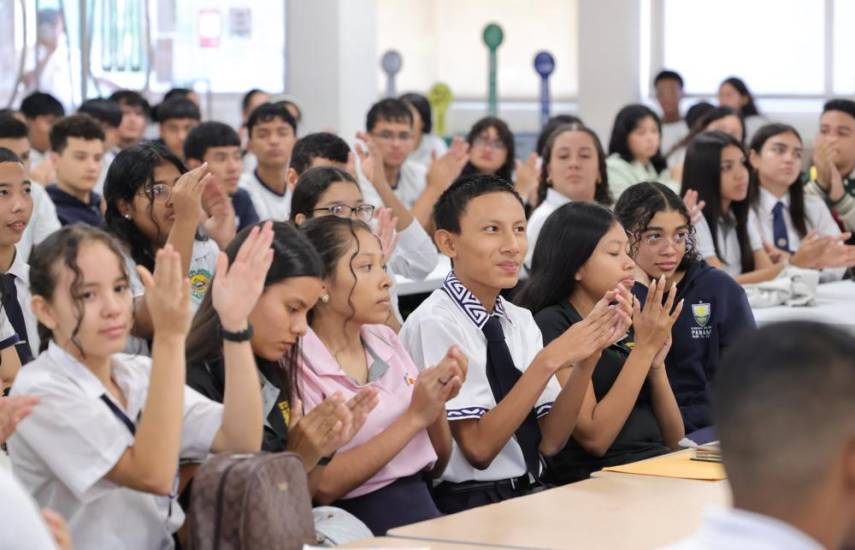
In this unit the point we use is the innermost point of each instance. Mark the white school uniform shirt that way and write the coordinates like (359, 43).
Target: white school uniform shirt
(817, 216)
(415, 257)
(672, 133)
(65, 448)
(452, 315)
(744, 530)
(623, 174)
(411, 182)
(728, 242)
(550, 204)
(21, 523)
(268, 204)
(21, 271)
(43, 221)
(430, 146)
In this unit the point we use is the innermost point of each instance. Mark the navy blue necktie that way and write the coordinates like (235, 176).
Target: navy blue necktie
(16, 316)
(779, 227)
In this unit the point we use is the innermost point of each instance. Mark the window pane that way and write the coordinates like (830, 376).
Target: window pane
(440, 41)
(776, 46)
(844, 45)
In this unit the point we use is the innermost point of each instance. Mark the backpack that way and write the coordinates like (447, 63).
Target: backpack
(251, 502)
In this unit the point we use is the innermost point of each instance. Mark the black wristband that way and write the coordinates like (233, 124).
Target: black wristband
(242, 336)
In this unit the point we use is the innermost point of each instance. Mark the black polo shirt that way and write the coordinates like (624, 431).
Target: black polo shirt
(70, 209)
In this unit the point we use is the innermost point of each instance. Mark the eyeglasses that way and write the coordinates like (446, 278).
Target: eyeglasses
(391, 136)
(496, 144)
(158, 191)
(362, 212)
(655, 239)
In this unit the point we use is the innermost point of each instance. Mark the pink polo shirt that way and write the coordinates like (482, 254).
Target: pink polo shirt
(393, 373)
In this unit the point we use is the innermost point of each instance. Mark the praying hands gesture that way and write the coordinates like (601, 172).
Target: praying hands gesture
(827, 175)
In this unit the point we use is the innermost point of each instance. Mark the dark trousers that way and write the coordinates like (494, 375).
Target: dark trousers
(405, 501)
(451, 498)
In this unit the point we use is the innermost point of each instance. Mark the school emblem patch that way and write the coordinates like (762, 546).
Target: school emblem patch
(200, 280)
(701, 312)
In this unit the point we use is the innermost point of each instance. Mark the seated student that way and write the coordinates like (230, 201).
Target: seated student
(272, 132)
(722, 119)
(492, 151)
(249, 102)
(573, 169)
(42, 111)
(669, 92)
(834, 159)
(426, 146)
(716, 310)
(152, 201)
(175, 118)
(136, 112)
(734, 93)
(218, 145)
(629, 411)
(109, 114)
(319, 149)
(16, 206)
(103, 446)
(43, 222)
(635, 154)
(77, 145)
(790, 221)
(784, 416)
(389, 131)
(185, 93)
(510, 409)
(381, 475)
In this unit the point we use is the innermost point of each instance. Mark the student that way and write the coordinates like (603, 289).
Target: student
(727, 235)
(249, 102)
(42, 112)
(834, 159)
(218, 145)
(697, 111)
(573, 169)
(716, 310)
(136, 112)
(635, 154)
(669, 92)
(788, 219)
(328, 191)
(510, 409)
(109, 115)
(272, 132)
(426, 146)
(318, 149)
(734, 93)
(43, 222)
(722, 119)
(175, 118)
(77, 146)
(186, 93)
(551, 125)
(784, 414)
(103, 446)
(380, 476)
(492, 151)
(152, 201)
(629, 411)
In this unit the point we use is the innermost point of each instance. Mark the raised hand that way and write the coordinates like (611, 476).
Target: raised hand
(653, 323)
(585, 338)
(695, 207)
(167, 293)
(527, 176)
(434, 386)
(445, 169)
(659, 359)
(370, 160)
(452, 371)
(824, 252)
(220, 222)
(12, 410)
(237, 287)
(827, 175)
(624, 303)
(187, 193)
(58, 528)
(386, 232)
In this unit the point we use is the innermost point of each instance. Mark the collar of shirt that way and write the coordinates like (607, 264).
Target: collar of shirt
(267, 187)
(554, 198)
(317, 357)
(768, 200)
(469, 303)
(19, 268)
(741, 527)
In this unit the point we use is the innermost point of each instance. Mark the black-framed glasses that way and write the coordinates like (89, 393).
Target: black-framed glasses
(363, 212)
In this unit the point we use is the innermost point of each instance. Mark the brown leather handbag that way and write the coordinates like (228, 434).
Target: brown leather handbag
(251, 502)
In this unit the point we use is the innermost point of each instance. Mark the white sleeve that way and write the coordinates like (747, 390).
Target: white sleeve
(415, 256)
(703, 236)
(21, 524)
(550, 393)
(43, 220)
(754, 238)
(134, 281)
(820, 219)
(202, 419)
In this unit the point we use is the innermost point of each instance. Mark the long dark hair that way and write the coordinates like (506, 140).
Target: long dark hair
(702, 172)
(750, 108)
(602, 193)
(311, 185)
(63, 245)
(132, 170)
(293, 256)
(567, 240)
(506, 171)
(715, 113)
(797, 190)
(637, 206)
(628, 120)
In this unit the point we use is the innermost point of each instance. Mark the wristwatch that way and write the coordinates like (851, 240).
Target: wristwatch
(242, 336)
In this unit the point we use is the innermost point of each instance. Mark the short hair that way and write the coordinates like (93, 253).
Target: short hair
(103, 110)
(390, 110)
(311, 185)
(452, 203)
(782, 402)
(267, 112)
(666, 74)
(75, 126)
(7, 155)
(696, 112)
(177, 92)
(422, 106)
(177, 108)
(207, 135)
(843, 105)
(12, 128)
(132, 99)
(247, 98)
(318, 145)
(41, 104)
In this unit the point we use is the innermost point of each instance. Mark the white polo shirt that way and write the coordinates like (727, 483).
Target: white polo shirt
(728, 242)
(550, 204)
(71, 440)
(21, 272)
(412, 180)
(452, 315)
(415, 257)
(21, 523)
(268, 204)
(43, 221)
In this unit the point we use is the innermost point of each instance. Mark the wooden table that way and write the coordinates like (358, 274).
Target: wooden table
(612, 512)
